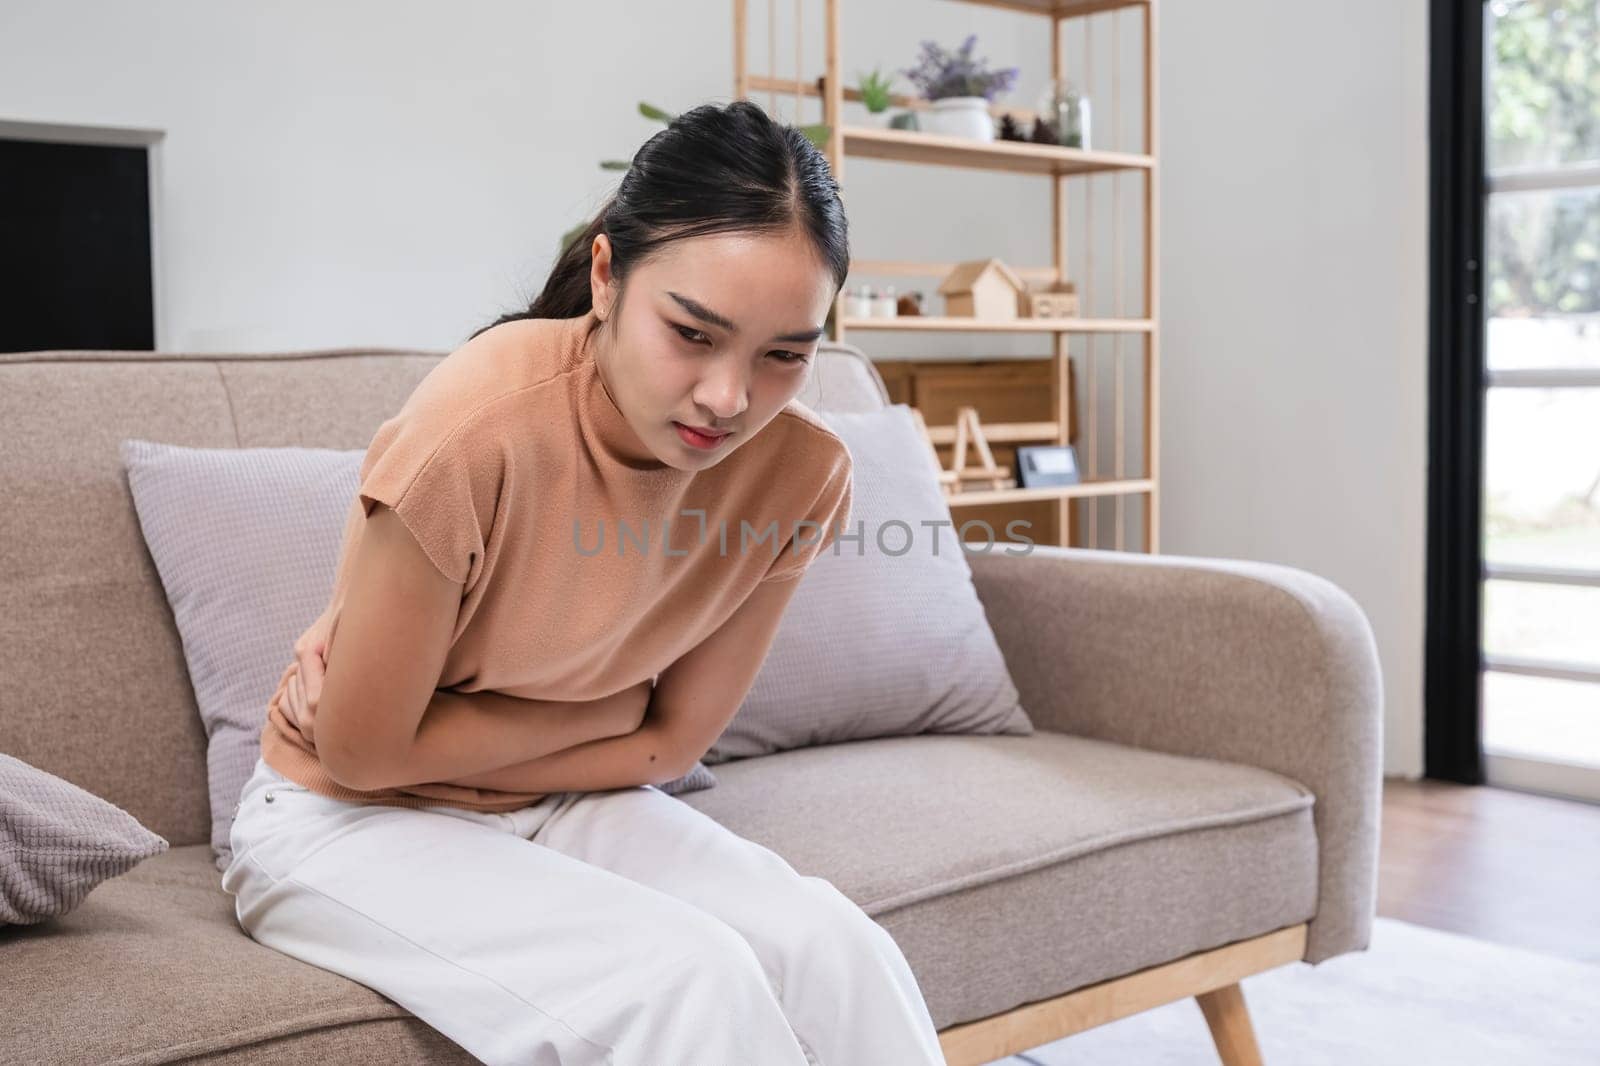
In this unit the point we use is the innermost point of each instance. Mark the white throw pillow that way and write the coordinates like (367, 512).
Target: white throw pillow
(885, 636)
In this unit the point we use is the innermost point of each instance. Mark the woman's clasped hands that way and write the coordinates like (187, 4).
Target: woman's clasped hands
(300, 685)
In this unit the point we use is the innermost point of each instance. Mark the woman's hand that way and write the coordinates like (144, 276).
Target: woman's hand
(301, 683)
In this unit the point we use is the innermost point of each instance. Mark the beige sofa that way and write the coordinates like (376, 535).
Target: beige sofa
(1199, 802)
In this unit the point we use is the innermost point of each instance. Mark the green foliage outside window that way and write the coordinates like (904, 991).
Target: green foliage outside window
(1543, 110)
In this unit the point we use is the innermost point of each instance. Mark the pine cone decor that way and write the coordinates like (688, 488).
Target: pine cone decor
(1008, 129)
(1042, 133)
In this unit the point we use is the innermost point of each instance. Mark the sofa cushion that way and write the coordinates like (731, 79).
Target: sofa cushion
(1015, 868)
(885, 635)
(58, 841)
(246, 541)
(1038, 865)
(153, 967)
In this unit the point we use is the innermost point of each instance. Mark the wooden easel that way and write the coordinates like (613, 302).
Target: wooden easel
(969, 430)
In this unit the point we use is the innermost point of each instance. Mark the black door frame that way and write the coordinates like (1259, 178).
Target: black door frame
(1453, 684)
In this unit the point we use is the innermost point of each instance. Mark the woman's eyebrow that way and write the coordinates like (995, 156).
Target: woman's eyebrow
(705, 314)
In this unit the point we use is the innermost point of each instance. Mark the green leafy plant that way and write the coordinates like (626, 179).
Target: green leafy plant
(874, 89)
(817, 134)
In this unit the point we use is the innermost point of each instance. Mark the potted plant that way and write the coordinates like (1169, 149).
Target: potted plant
(875, 90)
(959, 88)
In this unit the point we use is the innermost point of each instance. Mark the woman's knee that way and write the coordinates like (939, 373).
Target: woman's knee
(716, 947)
(823, 926)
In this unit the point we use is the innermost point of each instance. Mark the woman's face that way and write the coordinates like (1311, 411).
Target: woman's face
(717, 332)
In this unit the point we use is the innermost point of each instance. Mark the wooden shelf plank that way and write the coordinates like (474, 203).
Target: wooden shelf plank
(1059, 8)
(924, 269)
(975, 497)
(1021, 157)
(1001, 432)
(917, 323)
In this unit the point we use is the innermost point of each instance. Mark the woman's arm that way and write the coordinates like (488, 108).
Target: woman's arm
(693, 701)
(478, 732)
(502, 729)
(455, 732)
(646, 756)
(463, 732)
(382, 722)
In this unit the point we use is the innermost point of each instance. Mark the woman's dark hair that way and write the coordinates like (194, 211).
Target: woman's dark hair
(714, 169)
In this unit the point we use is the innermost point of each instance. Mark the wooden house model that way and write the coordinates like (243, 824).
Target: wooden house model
(982, 288)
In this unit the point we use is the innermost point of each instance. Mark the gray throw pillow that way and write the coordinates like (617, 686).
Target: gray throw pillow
(58, 841)
(246, 541)
(885, 637)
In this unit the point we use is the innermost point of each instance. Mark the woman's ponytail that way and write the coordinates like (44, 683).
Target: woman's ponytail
(566, 293)
(714, 169)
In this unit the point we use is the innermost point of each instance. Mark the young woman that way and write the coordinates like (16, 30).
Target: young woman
(558, 581)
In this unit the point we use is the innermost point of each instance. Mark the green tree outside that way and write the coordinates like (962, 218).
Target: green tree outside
(1543, 110)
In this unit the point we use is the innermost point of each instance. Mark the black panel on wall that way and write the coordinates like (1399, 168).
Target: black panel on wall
(75, 246)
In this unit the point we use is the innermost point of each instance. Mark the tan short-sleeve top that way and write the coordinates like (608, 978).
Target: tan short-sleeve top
(587, 565)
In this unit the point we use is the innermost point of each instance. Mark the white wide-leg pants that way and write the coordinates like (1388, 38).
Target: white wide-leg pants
(622, 927)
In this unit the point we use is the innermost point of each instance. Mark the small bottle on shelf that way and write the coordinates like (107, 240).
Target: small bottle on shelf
(885, 305)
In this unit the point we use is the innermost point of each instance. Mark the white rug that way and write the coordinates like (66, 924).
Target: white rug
(1415, 997)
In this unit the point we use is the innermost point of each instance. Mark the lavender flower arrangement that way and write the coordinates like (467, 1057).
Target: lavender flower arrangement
(939, 73)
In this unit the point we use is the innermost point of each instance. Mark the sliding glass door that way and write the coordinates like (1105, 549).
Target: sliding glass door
(1541, 408)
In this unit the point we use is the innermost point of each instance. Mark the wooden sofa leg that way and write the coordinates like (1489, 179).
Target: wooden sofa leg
(1229, 1019)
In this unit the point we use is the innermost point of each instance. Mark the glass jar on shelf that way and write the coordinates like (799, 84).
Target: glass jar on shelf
(1066, 111)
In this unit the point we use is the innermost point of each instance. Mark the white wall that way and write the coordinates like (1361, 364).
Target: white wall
(1294, 215)
(367, 173)
(359, 172)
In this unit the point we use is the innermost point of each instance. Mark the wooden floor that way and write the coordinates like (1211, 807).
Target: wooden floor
(1509, 867)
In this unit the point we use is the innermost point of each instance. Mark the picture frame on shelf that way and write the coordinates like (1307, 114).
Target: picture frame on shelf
(1042, 466)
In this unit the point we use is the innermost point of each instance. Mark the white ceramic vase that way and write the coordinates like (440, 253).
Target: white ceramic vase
(959, 116)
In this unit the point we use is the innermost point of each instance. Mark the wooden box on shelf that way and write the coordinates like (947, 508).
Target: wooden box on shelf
(1057, 299)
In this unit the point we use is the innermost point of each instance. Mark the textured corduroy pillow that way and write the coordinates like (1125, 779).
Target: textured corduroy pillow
(885, 636)
(246, 541)
(58, 841)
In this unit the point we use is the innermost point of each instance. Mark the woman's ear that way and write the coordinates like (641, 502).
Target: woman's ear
(601, 285)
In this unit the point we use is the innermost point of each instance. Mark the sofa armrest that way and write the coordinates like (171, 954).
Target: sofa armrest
(1249, 662)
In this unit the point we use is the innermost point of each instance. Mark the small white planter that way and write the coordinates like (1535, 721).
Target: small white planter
(959, 116)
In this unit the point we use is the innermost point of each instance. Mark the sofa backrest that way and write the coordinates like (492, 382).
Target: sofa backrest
(93, 682)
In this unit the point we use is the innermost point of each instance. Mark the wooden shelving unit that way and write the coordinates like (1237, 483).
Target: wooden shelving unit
(1060, 165)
